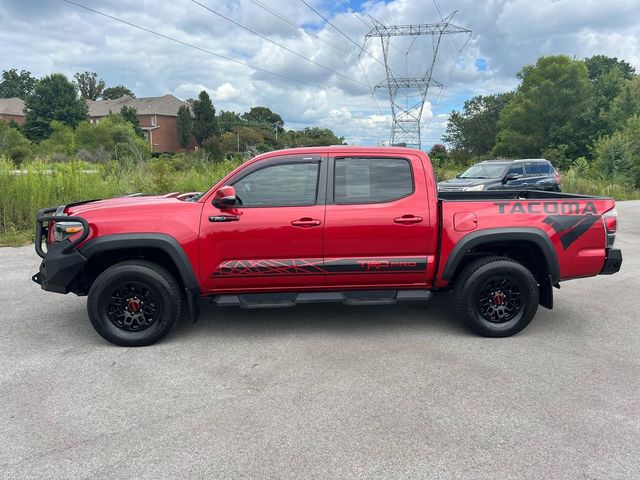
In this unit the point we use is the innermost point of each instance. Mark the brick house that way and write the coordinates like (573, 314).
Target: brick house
(156, 115)
(12, 109)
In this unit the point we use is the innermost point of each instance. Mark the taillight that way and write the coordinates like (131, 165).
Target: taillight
(610, 220)
(557, 177)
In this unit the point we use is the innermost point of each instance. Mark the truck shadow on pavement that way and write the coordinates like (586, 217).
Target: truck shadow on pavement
(435, 316)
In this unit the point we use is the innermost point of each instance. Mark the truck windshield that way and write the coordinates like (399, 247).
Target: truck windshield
(485, 170)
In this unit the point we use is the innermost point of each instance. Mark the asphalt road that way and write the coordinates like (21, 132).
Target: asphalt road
(325, 391)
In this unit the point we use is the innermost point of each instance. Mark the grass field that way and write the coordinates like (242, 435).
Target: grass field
(41, 184)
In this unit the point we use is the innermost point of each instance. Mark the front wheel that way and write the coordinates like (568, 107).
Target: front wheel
(134, 303)
(497, 296)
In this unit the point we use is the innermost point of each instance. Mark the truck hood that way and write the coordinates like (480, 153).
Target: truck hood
(467, 182)
(136, 201)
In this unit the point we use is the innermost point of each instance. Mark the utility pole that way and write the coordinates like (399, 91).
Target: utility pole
(405, 129)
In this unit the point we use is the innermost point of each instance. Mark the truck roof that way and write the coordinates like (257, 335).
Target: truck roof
(341, 148)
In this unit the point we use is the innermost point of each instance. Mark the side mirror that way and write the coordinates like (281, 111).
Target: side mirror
(458, 175)
(225, 197)
(511, 176)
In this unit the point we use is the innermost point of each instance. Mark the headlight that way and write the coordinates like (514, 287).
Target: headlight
(65, 230)
(475, 188)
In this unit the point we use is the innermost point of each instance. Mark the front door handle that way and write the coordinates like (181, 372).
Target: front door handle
(408, 219)
(306, 222)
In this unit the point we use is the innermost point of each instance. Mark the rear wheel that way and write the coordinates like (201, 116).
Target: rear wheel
(497, 296)
(134, 303)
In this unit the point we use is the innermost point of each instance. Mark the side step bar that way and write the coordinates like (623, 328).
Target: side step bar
(290, 299)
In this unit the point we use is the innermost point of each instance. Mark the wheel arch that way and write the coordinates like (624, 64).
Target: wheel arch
(524, 244)
(161, 248)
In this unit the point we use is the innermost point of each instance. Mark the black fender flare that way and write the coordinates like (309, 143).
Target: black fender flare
(509, 234)
(161, 241)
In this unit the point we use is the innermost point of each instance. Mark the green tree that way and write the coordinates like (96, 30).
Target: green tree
(89, 85)
(474, 129)
(184, 126)
(113, 138)
(16, 84)
(551, 107)
(54, 98)
(617, 156)
(204, 118)
(228, 120)
(119, 91)
(625, 104)
(130, 114)
(608, 76)
(264, 115)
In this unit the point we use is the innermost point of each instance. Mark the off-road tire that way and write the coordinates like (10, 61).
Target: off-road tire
(479, 273)
(164, 294)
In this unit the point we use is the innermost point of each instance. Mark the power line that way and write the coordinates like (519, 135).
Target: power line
(167, 37)
(296, 26)
(356, 14)
(361, 47)
(278, 44)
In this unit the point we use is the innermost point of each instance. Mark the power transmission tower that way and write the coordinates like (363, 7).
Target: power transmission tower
(406, 115)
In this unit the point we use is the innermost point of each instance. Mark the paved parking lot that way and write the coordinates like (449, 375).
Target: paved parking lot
(325, 391)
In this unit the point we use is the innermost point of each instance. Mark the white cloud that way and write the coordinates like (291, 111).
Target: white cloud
(44, 37)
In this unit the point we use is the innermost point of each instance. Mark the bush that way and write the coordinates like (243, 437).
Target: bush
(13, 144)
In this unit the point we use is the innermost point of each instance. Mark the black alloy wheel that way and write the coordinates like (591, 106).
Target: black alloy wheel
(497, 296)
(134, 303)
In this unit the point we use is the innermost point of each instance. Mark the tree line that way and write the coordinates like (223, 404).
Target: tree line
(582, 114)
(53, 103)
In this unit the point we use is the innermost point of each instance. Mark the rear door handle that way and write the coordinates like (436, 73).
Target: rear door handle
(408, 219)
(306, 222)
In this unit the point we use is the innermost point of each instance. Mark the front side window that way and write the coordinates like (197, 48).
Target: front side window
(280, 185)
(372, 180)
(517, 169)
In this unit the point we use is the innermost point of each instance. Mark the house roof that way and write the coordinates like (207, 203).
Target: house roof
(165, 105)
(11, 106)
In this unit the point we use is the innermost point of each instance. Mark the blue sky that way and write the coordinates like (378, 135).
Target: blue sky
(46, 36)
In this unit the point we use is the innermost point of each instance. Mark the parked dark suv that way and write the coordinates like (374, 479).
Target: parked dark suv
(527, 174)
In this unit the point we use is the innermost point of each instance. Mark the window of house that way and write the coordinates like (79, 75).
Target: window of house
(371, 180)
(154, 120)
(280, 185)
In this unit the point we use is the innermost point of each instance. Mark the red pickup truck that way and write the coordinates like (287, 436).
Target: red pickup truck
(358, 225)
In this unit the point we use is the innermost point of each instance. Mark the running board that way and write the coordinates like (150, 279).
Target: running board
(290, 299)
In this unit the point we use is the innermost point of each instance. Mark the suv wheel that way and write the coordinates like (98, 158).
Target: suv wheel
(497, 296)
(134, 303)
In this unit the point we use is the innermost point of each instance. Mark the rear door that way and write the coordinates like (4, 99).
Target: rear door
(377, 225)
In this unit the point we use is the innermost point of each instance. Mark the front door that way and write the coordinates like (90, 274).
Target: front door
(273, 238)
(378, 231)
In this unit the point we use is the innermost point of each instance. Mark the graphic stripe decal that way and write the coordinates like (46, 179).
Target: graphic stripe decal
(318, 266)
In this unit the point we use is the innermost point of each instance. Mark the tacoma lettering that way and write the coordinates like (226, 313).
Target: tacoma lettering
(549, 208)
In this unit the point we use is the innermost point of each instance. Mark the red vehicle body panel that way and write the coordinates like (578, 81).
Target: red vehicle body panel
(347, 246)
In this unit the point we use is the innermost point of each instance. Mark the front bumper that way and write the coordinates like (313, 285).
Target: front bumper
(59, 269)
(61, 262)
(612, 262)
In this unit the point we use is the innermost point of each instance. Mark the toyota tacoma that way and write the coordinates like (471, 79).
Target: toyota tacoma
(358, 225)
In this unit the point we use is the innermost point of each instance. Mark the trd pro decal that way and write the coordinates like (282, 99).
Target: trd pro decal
(317, 266)
(569, 219)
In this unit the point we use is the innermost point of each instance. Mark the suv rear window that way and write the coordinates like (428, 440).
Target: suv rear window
(372, 180)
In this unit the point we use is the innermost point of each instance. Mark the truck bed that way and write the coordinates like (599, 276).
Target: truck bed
(513, 195)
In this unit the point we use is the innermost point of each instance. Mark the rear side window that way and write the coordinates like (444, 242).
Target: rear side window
(280, 185)
(544, 168)
(372, 180)
(531, 169)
